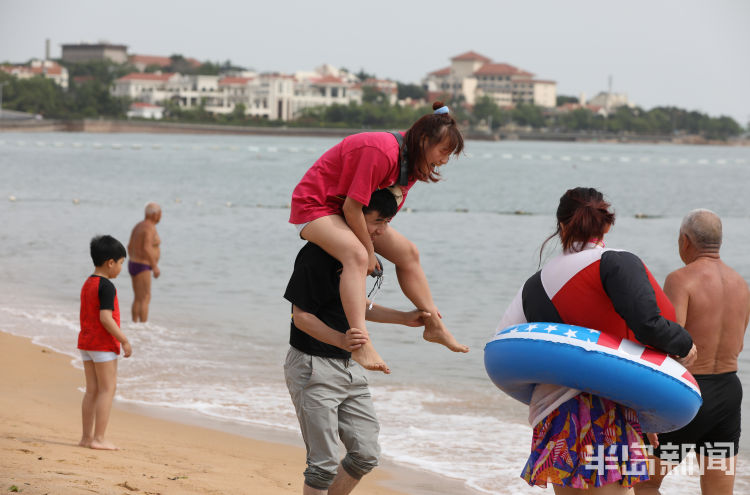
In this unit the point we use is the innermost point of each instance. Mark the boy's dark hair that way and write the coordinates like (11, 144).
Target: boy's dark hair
(106, 247)
(384, 202)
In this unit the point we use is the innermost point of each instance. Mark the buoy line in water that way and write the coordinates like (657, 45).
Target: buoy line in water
(230, 204)
(520, 156)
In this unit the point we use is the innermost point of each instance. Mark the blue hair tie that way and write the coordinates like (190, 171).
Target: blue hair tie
(443, 109)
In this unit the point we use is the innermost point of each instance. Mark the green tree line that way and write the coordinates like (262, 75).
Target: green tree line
(91, 97)
(41, 96)
(658, 120)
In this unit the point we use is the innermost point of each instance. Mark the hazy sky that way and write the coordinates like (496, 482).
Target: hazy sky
(693, 54)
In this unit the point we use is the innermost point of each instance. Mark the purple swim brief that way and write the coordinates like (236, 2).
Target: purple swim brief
(134, 268)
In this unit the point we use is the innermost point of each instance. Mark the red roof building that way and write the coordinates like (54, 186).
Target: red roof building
(141, 62)
(471, 56)
(145, 76)
(44, 68)
(472, 76)
(445, 71)
(235, 81)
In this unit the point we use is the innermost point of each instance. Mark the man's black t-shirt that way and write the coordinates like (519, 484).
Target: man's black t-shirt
(314, 288)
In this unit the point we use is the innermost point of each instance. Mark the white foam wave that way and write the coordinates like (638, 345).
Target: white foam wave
(418, 429)
(182, 368)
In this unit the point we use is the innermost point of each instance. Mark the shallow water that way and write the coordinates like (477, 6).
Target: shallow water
(219, 325)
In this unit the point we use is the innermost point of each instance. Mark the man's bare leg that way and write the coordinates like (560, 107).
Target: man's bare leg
(717, 476)
(141, 296)
(308, 490)
(88, 405)
(106, 380)
(611, 489)
(657, 471)
(135, 308)
(336, 238)
(404, 254)
(343, 483)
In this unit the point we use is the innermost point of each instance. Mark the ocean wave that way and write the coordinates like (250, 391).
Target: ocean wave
(428, 429)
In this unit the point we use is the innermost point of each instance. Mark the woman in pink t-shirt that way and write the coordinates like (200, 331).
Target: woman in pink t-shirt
(327, 211)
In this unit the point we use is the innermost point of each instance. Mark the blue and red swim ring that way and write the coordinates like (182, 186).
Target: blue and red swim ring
(664, 394)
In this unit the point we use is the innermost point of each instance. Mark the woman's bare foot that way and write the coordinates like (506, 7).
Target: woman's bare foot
(103, 445)
(85, 442)
(435, 331)
(369, 359)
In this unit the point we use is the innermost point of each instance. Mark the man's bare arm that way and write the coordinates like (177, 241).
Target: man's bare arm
(350, 341)
(678, 294)
(149, 237)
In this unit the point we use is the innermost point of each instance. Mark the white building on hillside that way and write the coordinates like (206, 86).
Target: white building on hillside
(472, 76)
(149, 88)
(144, 110)
(388, 89)
(611, 101)
(44, 68)
(187, 91)
(272, 96)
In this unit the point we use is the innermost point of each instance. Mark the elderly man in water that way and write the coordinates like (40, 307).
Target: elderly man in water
(143, 254)
(712, 302)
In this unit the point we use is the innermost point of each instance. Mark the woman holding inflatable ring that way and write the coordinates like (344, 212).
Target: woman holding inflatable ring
(612, 291)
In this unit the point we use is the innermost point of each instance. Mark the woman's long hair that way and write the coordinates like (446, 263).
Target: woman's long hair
(429, 131)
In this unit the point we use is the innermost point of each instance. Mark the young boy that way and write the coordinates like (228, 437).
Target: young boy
(328, 389)
(99, 340)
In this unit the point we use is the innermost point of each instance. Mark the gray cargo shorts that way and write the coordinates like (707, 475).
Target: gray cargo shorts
(333, 402)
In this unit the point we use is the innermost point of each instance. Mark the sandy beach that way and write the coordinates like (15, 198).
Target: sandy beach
(40, 411)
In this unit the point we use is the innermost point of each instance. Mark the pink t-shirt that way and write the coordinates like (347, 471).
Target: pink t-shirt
(356, 167)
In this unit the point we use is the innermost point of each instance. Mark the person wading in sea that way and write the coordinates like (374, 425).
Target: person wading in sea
(144, 253)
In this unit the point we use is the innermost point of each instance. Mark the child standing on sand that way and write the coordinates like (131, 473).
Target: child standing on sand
(99, 340)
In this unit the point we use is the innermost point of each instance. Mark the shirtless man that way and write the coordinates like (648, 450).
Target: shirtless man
(712, 302)
(143, 257)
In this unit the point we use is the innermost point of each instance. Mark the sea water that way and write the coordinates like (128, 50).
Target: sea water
(218, 330)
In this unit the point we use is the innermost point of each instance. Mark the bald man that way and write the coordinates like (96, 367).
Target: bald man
(143, 254)
(712, 302)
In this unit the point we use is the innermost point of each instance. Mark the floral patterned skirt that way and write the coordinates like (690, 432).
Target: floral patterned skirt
(587, 442)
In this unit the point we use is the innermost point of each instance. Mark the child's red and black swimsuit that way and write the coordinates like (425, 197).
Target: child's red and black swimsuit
(98, 293)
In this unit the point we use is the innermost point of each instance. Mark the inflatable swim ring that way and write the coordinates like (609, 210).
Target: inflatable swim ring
(662, 391)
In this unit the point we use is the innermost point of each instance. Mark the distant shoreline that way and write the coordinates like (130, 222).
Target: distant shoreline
(139, 126)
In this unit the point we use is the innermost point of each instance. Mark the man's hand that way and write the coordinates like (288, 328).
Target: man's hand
(372, 263)
(653, 439)
(690, 358)
(127, 350)
(157, 272)
(353, 339)
(416, 318)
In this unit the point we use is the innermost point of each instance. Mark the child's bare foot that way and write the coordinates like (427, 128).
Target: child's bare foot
(369, 359)
(102, 445)
(435, 331)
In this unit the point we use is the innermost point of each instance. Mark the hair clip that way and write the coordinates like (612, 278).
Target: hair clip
(443, 109)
